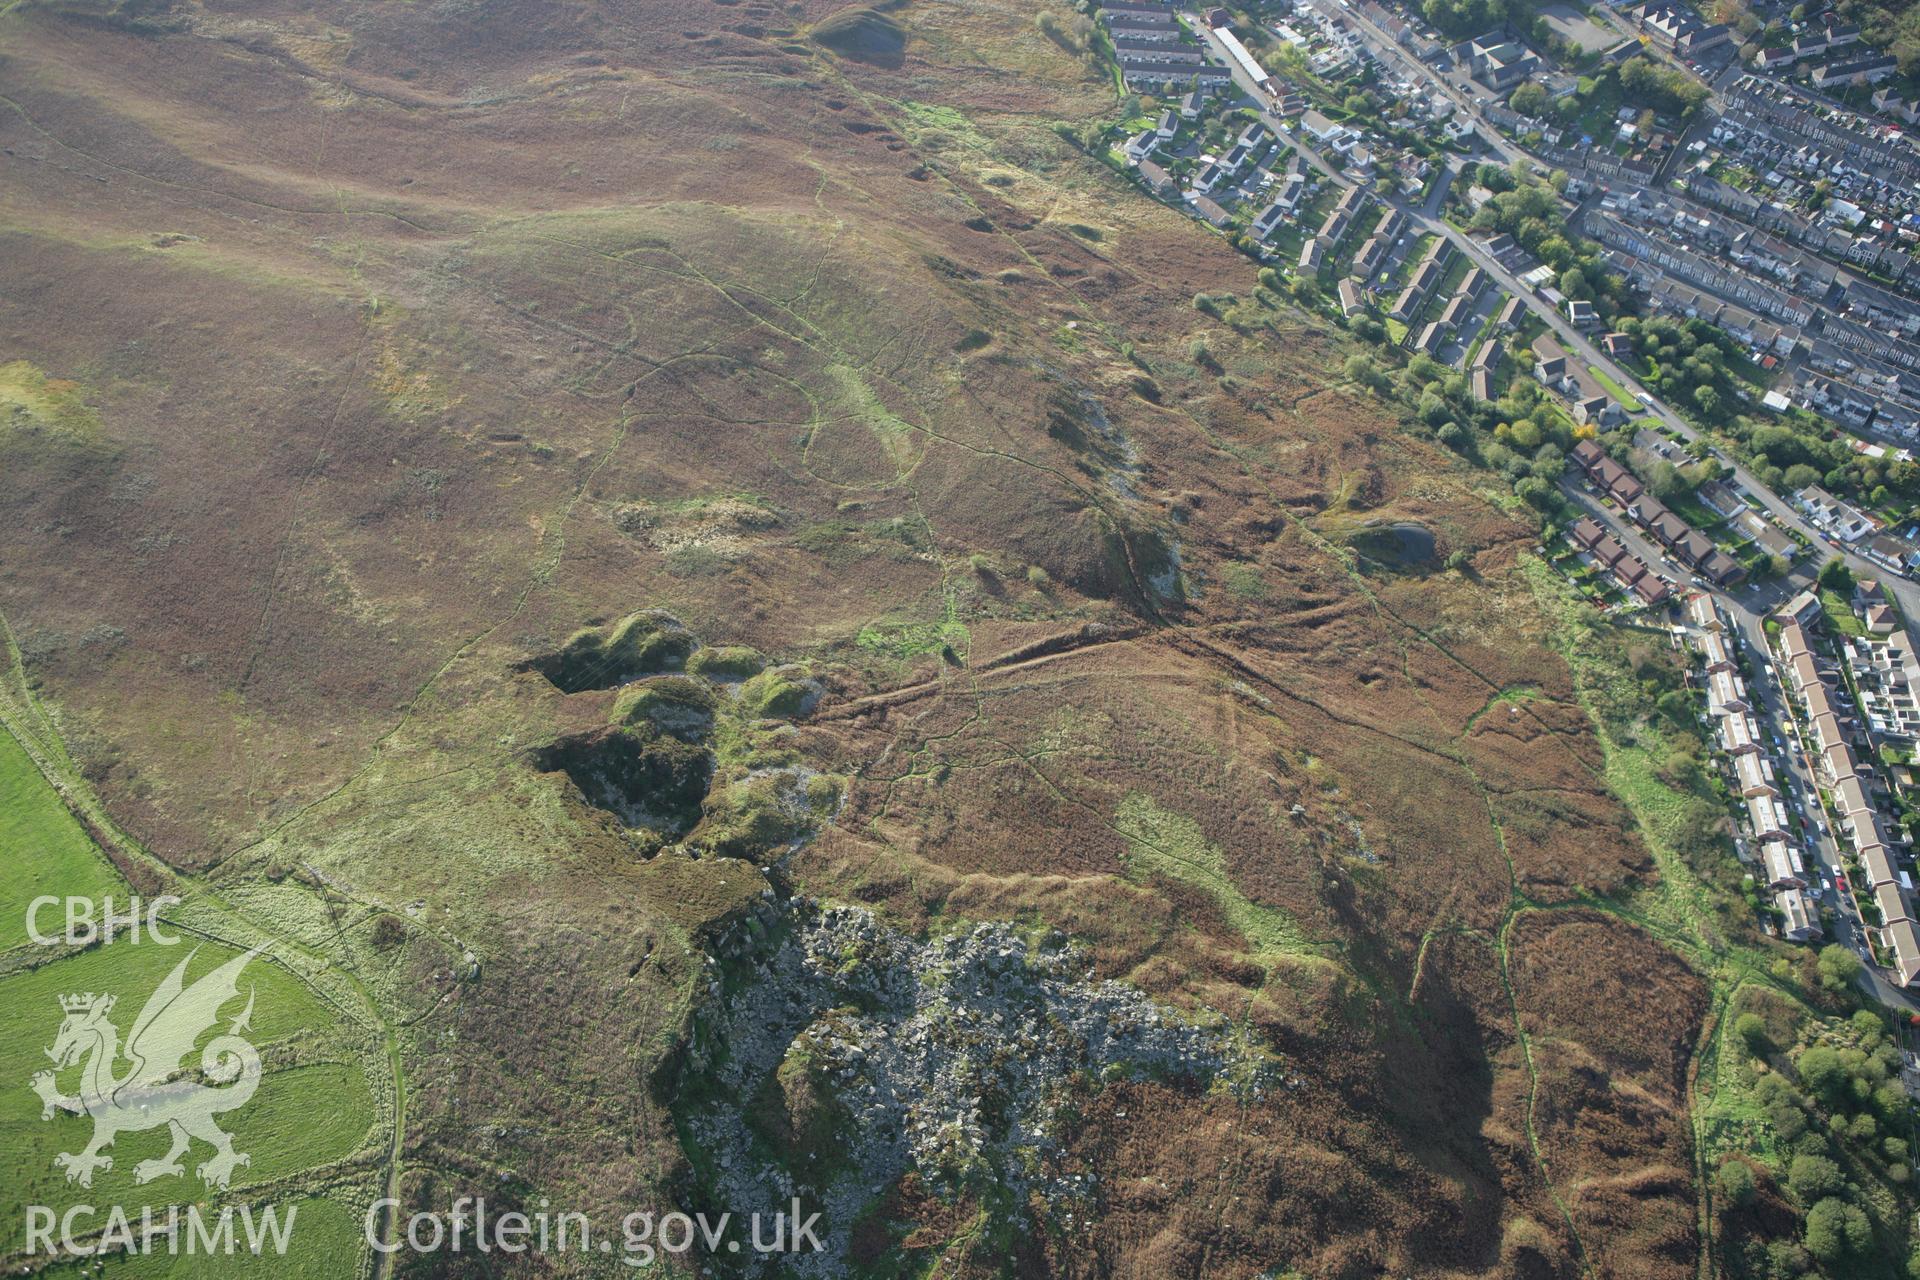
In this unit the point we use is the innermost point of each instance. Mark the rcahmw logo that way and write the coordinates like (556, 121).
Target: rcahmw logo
(165, 1085)
(157, 1089)
(173, 1230)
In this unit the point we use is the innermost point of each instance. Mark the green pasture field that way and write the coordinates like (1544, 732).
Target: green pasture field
(313, 1106)
(43, 847)
(301, 1117)
(325, 1235)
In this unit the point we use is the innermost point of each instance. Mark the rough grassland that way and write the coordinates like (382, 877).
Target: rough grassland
(1160, 843)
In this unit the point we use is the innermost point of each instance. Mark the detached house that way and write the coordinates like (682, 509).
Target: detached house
(1598, 410)
(1268, 221)
(1351, 303)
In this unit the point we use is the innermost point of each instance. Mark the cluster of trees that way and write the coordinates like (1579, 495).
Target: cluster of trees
(1893, 25)
(1651, 88)
(1838, 967)
(1530, 99)
(1471, 17)
(1671, 483)
(1528, 209)
(1794, 454)
(1686, 362)
(1666, 89)
(1475, 17)
(1073, 32)
(1520, 435)
(1841, 1107)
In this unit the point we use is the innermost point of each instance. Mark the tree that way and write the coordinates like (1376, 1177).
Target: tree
(1786, 1259)
(1813, 1178)
(1734, 1182)
(1752, 1030)
(1535, 492)
(1800, 475)
(1529, 99)
(1837, 1230)
(1050, 27)
(1664, 88)
(1835, 576)
(1361, 369)
(1668, 482)
(1493, 177)
(1821, 1068)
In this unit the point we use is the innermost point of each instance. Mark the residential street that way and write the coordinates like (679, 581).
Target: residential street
(1385, 44)
(1748, 610)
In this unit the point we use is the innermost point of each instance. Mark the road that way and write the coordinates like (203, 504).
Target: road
(1428, 220)
(1384, 43)
(1848, 929)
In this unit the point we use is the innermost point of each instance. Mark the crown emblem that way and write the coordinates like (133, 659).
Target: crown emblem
(86, 1002)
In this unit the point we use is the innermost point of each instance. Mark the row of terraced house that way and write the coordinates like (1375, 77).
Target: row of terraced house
(1781, 864)
(1149, 45)
(1633, 574)
(1686, 543)
(1829, 741)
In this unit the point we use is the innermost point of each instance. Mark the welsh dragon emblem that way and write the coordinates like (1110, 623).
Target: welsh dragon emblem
(157, 1088)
